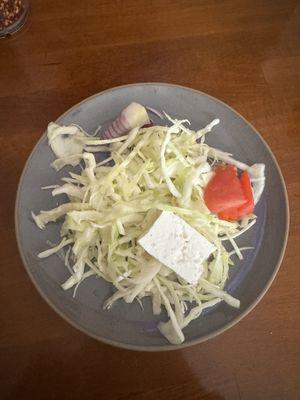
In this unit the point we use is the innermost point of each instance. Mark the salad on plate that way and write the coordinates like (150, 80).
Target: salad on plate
(153, 217)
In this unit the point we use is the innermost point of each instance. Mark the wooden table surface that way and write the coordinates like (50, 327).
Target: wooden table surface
(246, 53)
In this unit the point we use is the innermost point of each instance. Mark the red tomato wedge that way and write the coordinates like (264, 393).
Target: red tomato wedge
(228, 195)
(224, 190)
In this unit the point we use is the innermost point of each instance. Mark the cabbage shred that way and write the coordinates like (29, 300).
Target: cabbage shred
(154, 169)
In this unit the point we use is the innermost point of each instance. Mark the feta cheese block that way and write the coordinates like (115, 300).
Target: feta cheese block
(174, 243)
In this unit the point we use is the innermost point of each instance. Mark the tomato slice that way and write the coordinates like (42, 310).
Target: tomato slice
(224, 191)
(228, 195)
(247, 208)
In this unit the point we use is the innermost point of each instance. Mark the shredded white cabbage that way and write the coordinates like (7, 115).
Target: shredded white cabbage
(154, 169)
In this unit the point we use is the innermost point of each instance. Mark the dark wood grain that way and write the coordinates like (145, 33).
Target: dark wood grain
(247, 53)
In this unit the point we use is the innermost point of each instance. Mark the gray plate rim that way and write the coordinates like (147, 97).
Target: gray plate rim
(164, 347)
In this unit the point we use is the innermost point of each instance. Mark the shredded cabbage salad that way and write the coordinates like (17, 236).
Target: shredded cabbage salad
(115, 201)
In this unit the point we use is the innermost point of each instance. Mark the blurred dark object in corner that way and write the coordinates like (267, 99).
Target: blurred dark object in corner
(13, 14)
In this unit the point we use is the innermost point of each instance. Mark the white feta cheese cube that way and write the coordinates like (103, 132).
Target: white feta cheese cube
(174, 243)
